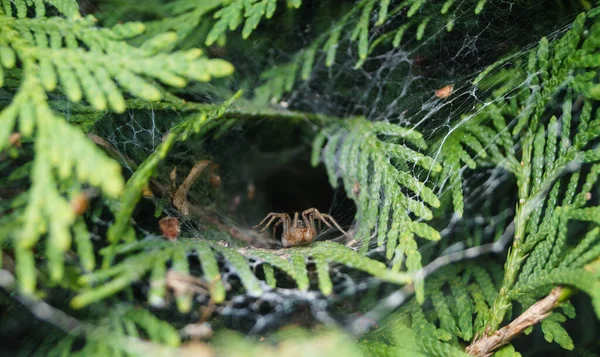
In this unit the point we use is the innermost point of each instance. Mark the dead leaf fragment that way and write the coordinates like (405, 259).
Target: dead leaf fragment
(215, 180)
(444, 92)
(80, 203)
(15, 140)
(169, 226)
(251, 191)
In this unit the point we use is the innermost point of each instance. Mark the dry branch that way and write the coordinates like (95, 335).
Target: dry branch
(486, 345)
(180, 201)
(180, 197)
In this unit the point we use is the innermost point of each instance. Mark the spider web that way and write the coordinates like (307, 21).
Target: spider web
(263, 165)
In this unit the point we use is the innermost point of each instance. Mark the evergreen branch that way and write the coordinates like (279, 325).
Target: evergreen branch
(39, 308)
(332, 253)
(85, 61)
(231, 15)
(372, 14)
(68, 8)
(186, 16)
(536, 175)
(403, 340)
(553, 331)
(149, 257)
(469, 142)
(92, 73)
(45, 199)
(535, 100)
(523, 103)
(359, 21)
(374, 176)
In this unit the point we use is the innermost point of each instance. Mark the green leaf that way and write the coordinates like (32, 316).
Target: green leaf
(507, 351)
(553, 331)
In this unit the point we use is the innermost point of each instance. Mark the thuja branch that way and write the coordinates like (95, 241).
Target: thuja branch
(485, 345)
(515, 255)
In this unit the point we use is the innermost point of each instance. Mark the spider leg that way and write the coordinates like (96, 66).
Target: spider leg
(323, 217)
(275, 225)
(308, 221)
(272, 217)
(336, 225)
(312, 214)
(287, 224)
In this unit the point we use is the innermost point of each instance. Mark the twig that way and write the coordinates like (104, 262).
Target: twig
(469, 253)
(179, 200)
(180, 197)
(486, 345)
(41, 309)
(112, 150)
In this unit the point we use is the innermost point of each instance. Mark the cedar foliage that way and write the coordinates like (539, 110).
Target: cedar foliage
(84, 261)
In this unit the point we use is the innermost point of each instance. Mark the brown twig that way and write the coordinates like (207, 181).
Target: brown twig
(180, 197)
(182, 204)
(486, 345)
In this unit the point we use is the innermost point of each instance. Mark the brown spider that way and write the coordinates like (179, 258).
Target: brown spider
(299, 231)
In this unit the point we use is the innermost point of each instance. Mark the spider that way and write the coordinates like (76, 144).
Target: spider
(299, 231)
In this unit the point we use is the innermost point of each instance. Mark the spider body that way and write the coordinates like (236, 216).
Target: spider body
(300, 230)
